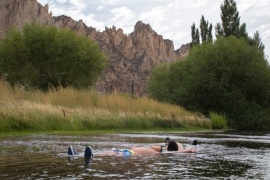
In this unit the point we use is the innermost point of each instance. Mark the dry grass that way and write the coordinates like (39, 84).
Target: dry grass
(107, 110)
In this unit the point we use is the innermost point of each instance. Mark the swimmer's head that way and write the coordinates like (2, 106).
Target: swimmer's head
(194, 142)
(172, 146)
(167, 141)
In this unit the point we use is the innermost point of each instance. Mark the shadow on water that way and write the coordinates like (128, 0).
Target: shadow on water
(220, 156)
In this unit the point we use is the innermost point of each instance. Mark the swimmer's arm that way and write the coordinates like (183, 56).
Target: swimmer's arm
(191, 150)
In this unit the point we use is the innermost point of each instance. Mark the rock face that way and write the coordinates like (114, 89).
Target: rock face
(16, 13)
(131, 56)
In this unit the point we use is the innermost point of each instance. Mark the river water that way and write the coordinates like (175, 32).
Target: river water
(221, 155)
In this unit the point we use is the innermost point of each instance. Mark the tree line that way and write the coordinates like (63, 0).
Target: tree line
(229, 76)
(230, 26)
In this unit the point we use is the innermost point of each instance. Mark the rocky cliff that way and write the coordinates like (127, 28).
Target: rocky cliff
(131, 56)
(16, 13)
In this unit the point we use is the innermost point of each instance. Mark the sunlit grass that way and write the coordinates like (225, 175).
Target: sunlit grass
(218, 121)
(71, 109)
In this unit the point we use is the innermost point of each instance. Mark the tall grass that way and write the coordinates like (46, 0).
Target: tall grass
(218, 121)
(71, 109)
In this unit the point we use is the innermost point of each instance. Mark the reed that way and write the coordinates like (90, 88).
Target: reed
(71, 109)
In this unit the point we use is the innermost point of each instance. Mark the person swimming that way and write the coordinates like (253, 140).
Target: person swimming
(178, 147)
(133, 151)
(168, 140)
(139, 151)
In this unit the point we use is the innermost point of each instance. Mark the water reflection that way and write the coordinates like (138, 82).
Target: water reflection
(220, 156)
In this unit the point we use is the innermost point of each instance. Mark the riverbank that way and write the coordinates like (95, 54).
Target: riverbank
(72, 110)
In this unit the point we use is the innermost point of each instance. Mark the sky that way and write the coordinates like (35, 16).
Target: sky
(170, 18)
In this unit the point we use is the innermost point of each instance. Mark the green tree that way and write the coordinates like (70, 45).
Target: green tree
(158, 83)
(230, 19)
(242, 31)
(227, 77)
(209, 35)
(231, 25)
(206, 32)
(45, 57)
(219, 30)
(204, 29)
(195, 35)
(256, 41)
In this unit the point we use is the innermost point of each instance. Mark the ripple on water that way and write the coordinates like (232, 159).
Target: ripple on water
(220, 155)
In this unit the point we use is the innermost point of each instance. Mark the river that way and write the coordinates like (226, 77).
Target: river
(221, 155)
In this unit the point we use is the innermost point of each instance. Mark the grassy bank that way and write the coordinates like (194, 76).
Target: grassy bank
(70, 109)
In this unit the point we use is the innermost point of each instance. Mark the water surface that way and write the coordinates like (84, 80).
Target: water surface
(220, 156)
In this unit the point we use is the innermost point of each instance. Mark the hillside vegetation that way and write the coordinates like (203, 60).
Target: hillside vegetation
(71, 109)
(228, 77)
